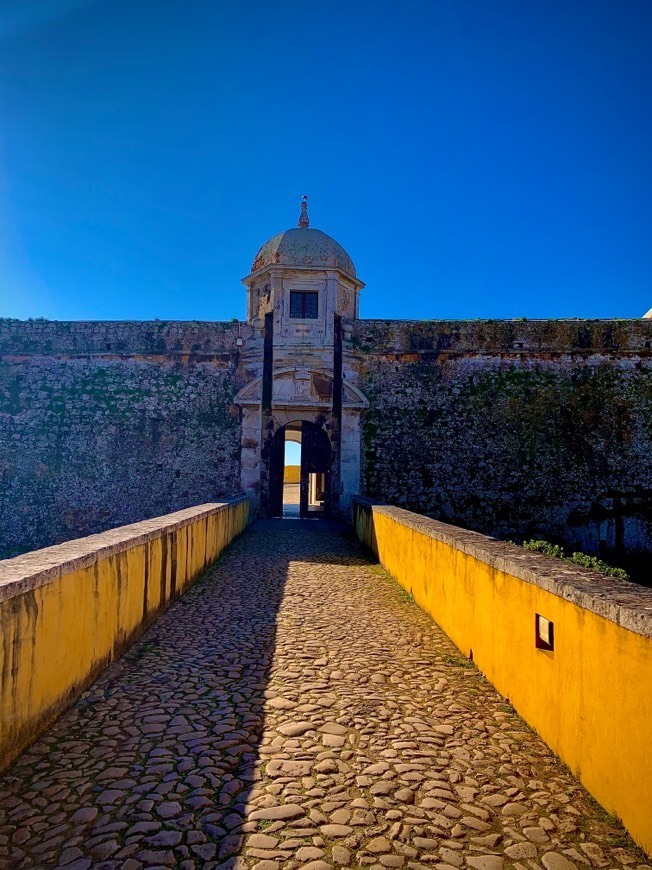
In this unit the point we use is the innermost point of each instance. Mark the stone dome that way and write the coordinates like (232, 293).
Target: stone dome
(303, 246)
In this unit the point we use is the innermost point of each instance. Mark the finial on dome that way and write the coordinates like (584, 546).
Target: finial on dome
(304, 220)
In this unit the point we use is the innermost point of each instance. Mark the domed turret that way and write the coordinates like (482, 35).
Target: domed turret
(303, 247)
(304, 261)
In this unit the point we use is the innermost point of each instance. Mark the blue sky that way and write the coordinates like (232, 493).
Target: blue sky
(477, 158)
(292, 453)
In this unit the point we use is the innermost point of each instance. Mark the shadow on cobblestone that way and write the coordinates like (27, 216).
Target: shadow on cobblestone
(155, 761)
(295, 709)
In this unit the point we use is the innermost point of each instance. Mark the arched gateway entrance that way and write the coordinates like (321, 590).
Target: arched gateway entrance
(316, 468)
(302, 405)
(299, 369)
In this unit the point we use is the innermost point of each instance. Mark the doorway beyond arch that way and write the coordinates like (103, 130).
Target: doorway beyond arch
(315, 471)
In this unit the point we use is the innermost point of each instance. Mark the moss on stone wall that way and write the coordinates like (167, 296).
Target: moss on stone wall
(547, 443)
(532, 428)
(91, 441)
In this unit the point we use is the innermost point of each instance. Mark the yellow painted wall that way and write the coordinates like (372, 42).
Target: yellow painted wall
(590, 699)
(66, 612)
(292, 474)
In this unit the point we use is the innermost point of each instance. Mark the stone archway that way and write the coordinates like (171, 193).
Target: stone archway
(316, 476)
(297, 395)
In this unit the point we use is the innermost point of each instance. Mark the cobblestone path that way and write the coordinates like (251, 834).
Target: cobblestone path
(295, 709)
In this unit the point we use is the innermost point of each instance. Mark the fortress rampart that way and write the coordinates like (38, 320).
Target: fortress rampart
(103, 424)
(513, 428)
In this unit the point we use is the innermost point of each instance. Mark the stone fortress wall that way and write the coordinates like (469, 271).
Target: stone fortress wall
(513, 428)
(104, 424)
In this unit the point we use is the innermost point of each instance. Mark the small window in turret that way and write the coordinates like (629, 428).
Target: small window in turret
(303, 306)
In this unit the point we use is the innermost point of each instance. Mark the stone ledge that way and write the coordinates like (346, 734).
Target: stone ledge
(626, 604)
(56, 338)
(40, 567)
(625, 338)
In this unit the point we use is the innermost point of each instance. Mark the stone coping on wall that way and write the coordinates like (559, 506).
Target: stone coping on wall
(40, 567)
(128, 337)
(622, 602)
(627, 337)
(173, 337)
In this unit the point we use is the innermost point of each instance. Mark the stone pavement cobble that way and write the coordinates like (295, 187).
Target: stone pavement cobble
(295, 709)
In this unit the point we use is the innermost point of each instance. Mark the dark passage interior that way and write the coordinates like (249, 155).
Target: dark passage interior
(300, 471)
